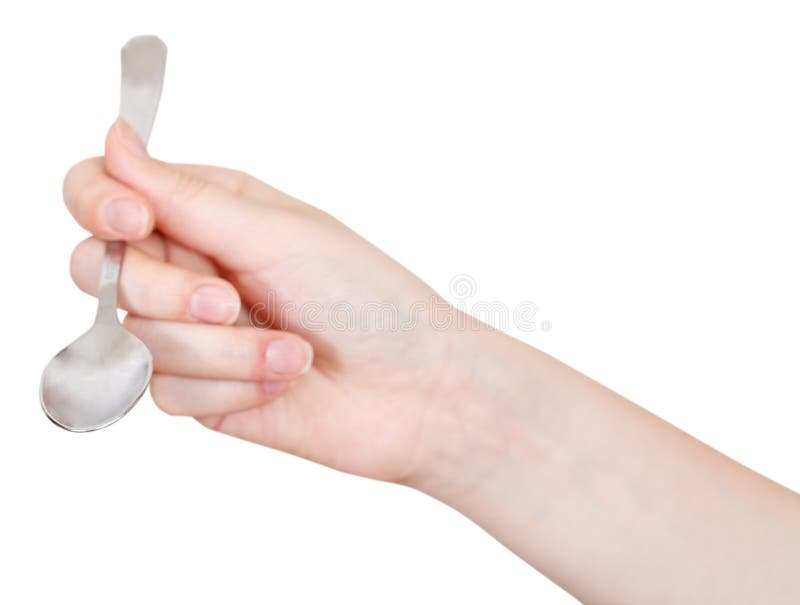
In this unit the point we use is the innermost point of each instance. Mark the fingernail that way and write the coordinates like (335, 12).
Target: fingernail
(213, 304)
(130, 139)
(126, 217)
(289, 356)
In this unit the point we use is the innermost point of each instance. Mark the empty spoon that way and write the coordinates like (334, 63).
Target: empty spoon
(97, 379)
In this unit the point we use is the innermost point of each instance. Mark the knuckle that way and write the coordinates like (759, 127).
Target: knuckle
(91, 194)
(75, 178)
(185, 188)
(87, 202)
(161, 393)
(213, 422)
(134, 325)
(241, 182)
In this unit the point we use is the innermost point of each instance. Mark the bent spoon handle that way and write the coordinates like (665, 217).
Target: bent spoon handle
(144, 60)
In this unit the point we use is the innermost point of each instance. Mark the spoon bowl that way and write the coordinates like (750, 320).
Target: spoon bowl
(97, 379)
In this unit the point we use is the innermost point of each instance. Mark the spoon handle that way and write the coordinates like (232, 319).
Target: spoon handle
(144, 59)
(109, 277)
(143, 62)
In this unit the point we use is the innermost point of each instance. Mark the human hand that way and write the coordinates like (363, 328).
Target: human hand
(214, 251)
(565, 472)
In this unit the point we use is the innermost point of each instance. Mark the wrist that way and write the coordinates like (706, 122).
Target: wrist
(480, 421)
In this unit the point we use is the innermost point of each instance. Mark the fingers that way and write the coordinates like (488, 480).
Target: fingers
(219, 212)
(164, 249)
(105, 206)
(222, 352)
(183, 396)
(189, 209)
(152, 288)
(110, 210)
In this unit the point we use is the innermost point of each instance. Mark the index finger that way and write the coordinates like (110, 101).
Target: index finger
(107, 208)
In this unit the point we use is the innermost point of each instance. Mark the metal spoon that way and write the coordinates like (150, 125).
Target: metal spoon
(97, 379)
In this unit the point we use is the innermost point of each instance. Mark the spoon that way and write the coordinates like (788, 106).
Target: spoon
(97, 379)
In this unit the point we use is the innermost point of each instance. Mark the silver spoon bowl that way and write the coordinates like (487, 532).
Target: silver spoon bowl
(97, 379)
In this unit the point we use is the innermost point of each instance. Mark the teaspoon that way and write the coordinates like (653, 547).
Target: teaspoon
(97, 379)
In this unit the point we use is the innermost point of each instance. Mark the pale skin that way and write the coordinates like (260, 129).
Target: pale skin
(607, 500)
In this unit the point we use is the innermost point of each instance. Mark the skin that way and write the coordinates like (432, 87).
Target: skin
(610, 502)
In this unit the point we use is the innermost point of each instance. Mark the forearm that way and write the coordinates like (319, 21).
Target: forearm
(609, 501)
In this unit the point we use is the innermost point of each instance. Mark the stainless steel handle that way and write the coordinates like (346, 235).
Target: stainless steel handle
(109, 279)
(144, 60)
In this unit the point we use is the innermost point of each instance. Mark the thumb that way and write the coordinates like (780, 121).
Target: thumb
(188, 209)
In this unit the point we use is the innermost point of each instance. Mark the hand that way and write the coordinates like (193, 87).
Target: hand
(216, 258)
(580, 482)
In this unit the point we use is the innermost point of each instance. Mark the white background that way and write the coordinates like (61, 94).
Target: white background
(630, 167)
